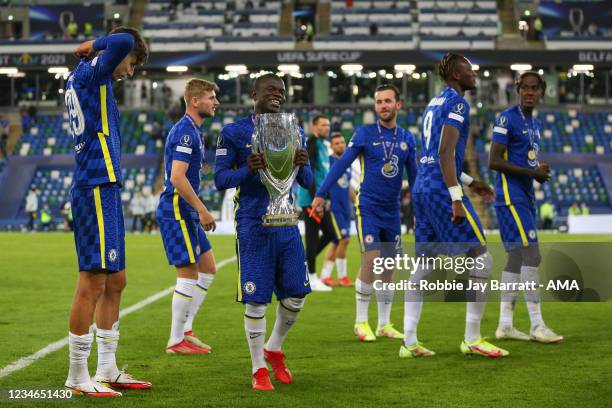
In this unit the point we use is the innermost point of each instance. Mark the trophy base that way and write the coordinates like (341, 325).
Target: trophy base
(283, 220)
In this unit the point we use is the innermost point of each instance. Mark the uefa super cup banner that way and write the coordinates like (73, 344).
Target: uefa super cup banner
(277, 136)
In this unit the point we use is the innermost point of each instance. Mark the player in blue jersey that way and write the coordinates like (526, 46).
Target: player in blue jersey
(384, 149)
(270, 259)
(340, 213)
(182, 217)
(446, 222)
(96, 207)
(514, 154)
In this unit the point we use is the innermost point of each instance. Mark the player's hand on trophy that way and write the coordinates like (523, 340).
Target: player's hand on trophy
(458, 213)
(84, 50)
(483, 189)
(317, 206)
(207, 220)
(542, 173)
(256, 161)
(301, 158)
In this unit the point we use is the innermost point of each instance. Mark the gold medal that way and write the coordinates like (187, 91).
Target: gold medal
(387, 167)
(531, 155)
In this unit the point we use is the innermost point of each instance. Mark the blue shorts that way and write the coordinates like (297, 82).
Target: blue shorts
(270, 259)
(342, 224)
(379, 230)
(434, 231)
(184, 240)
(517, 225)
(99, 233)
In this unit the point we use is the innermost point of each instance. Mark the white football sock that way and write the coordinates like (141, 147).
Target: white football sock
(107, 346)
(255, 329)
(384, 299)
(286, 314)
(363, 293)
(181, 302)
(199, 294)
(532, 297)
(477, 299)
(413, 304)
(341, 267)
(508, 299)
(79, 348)
(328, 267)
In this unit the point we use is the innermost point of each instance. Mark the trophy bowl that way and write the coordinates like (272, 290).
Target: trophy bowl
(277, 137)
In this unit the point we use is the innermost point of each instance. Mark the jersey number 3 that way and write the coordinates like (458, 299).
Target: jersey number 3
(75, 113)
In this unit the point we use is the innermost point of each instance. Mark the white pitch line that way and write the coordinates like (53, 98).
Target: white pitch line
(50, 348)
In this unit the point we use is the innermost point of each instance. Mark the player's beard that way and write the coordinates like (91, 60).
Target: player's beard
(204, 114)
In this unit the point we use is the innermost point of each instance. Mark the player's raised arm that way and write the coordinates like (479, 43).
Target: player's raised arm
(226, 173)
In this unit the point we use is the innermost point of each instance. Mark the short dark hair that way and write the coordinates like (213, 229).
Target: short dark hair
(448, 64)
(140, 50)
(386, 87)
(336, 135)
(522, 76)
(317, 118)
(263, 77)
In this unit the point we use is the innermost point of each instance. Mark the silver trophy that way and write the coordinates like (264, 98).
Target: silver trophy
(277, 136)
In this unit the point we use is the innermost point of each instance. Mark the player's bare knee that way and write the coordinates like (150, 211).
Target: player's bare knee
(515, 260)
(115, 284)
(293, 304)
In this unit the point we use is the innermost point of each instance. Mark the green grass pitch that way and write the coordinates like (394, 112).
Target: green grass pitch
(331, 368)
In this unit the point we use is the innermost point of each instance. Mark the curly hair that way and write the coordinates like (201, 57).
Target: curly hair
(447, 65)
(522, 76)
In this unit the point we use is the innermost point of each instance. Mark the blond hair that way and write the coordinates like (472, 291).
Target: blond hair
(196, 87)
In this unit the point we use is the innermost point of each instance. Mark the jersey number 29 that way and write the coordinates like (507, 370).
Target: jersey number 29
(75, 113)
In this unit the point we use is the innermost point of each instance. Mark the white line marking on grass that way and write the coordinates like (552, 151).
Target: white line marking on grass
(50, 348)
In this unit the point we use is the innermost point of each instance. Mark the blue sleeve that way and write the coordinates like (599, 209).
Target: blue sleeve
(339, 167)
(458, 114)
(501, 130)
(226, 161)
(304, 176)
(116, 47)
(411, 164)
(182, 145)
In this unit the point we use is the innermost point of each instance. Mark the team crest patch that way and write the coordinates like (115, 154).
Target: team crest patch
(532, 234)
(112, 255)
(369, 239)
(186, 140)
(249, 288)
(459, 108)
(197, 250)
(404, 146)
(343, 231)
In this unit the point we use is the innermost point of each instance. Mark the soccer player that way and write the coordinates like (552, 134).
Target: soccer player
(95, 198)
(318, 157)
(270, 259)
(183, 217)
(384, 149)
(514, 154)
(446, 222)
(340, 214)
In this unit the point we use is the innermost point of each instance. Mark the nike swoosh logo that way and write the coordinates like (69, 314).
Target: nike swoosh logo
(306, 283)
(254, 336)
(247, 146)
(525, 131)
(376, 143)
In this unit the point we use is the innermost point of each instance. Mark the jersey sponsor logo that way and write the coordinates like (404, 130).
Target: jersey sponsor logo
(221, 152)
(249, 288)
(186, 140)
(112, 255)
(437, 101)
(427, 160)
(404, 146)
(78, 147)
(459, 108)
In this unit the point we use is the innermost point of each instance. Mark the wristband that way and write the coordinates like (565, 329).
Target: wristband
(455, 193)
(466, 179)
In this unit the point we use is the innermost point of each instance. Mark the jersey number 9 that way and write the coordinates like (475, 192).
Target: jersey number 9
(427, 128)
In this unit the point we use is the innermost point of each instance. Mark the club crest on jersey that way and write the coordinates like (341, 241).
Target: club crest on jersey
(459, 108)
(249, 288)
(503, 121)
(197, 250)
(343, 231)
(369, 239)
(403, 146)
(112, 255)
(186, 140)
(532, 234)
